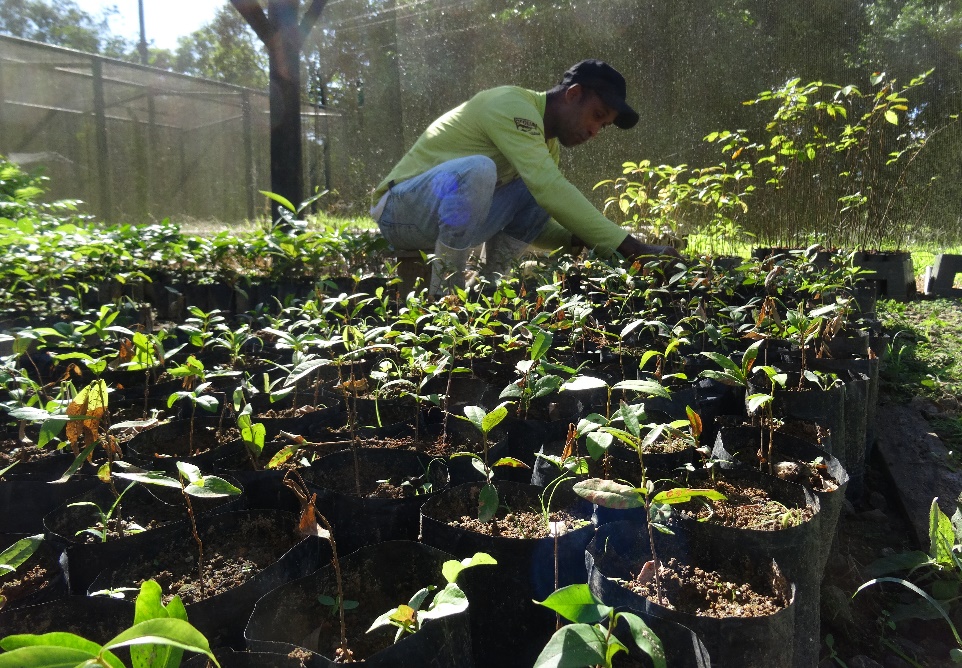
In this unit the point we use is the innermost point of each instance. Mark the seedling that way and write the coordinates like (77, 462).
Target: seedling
(488, 500)
(313, 523)
(587, 641)
(102, 529)
(931, 570)
(197, 398)
(157, 639)
(611, 494)
(190, 482)
(450, 600)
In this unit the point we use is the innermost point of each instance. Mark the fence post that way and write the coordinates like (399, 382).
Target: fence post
(248, 153)
(103, 162)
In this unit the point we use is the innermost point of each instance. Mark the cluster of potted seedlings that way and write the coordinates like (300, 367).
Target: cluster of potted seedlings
(592, 465)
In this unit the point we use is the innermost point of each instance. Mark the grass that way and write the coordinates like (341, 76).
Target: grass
(924, 358)
(324, 221)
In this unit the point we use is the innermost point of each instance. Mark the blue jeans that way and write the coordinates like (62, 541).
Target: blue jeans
(459, 204)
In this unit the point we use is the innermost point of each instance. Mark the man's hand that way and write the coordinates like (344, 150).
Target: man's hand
(632, 249)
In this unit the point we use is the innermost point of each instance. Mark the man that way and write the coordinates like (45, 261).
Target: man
(487, 172)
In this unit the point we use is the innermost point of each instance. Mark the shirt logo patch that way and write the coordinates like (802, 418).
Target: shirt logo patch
(527, 126)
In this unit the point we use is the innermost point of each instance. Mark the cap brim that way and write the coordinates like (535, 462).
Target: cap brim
(627, 117)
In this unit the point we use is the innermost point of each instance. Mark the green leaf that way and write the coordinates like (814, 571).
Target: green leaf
(723, 361)
(646, 639)
(941, 535)
(609, 494)
(452, 568)
(208, 402)
(722, 377)
(280, 199)
(511, 391)
(683, 495)
(77, 463)
(149, 478)
(475, 415)
(449, 601)
(254, 437)
(150, 606)
(590, 423)
(891, 117)
(756, 401)
(189, 471)
(576, 603)
(574, 646)
(493, 419)
(50, 430)
(597, 443)
(649, 387)
(541, 345)
(211, 487)
(581, 383)
(488, 503)
(52, 650)
(173, 632)
(903, 561)
(632, 416)
(19, 552)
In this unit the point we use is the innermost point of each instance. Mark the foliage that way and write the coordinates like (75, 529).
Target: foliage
(157, 639)
(588, 642)
(225, 49)
(939, 572)
(450, 600)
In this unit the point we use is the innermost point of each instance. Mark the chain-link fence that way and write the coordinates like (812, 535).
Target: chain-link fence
(136, 143)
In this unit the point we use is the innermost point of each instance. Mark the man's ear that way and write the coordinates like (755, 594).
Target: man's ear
(574, 93)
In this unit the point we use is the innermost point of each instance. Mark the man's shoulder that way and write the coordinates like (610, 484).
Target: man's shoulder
(506, 96)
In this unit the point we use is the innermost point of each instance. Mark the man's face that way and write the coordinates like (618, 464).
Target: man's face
(583, 116)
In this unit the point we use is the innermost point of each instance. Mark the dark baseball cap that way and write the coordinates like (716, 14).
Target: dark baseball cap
(608, 83)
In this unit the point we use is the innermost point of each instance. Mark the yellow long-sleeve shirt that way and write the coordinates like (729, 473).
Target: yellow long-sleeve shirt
(506, 124)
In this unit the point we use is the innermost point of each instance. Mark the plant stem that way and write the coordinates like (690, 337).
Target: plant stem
(200, 543)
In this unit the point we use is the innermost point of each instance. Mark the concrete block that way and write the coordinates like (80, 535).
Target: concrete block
(944, 270)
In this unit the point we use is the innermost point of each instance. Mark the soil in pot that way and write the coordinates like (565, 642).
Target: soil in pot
(230, 559)
(200, 443)
(528, 568)
(740, 605)
(377, 578)
(246, 553)
(140, 509)
(393, 486)
(747, 506)
(38, 579)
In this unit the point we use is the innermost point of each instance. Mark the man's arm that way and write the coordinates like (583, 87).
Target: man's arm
(633, 249)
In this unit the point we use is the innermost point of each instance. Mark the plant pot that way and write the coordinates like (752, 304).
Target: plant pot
(797, 549)
(618, 551)
(826, 407)
(861, 403)
(379, 577)
(161, 447)
(230, 659)
(95, 618)
(737, 447)
(501, 596)
(150, 508)
(265, 539)
(33, 499)
(38, 580)
(892, 271)
(368, 519)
